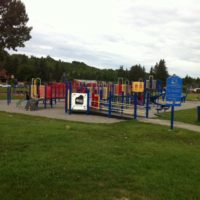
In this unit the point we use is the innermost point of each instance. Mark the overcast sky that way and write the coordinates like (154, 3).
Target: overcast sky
(110, 33)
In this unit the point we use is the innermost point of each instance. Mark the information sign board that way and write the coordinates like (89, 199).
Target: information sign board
(174, 91)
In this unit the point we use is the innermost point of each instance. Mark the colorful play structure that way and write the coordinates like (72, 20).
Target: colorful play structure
(121, 99)
(47, 93)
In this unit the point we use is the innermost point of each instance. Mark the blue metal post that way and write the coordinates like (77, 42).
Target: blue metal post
(127, 99)
(110, 104)
(172, 117)
(145, 91)
(135, 105)
(88, 101)
(8, 95)
(8, 102)
(198, 113)
(147, 105)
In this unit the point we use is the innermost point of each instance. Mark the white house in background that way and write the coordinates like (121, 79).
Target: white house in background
(195, 90)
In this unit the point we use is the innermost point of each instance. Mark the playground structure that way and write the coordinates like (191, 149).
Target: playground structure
(122, 99)
(47, 93)
(106, 98)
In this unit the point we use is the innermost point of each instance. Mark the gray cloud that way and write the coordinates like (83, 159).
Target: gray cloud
(143, 32)
(62, 47)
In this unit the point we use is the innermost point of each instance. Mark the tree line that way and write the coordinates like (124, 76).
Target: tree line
(48, 69)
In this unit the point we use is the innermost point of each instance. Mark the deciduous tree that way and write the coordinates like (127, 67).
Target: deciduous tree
(13, 24)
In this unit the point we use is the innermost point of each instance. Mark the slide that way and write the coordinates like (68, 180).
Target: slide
(160, 106)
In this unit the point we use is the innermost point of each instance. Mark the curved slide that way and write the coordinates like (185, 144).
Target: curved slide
(160, 106)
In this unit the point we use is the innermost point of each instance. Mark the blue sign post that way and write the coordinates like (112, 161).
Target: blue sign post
(173, 94)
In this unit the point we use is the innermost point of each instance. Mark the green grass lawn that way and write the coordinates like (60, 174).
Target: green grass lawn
(188, 116)
(18, 93)
(193, 96)
(43, 158)
(15, 97)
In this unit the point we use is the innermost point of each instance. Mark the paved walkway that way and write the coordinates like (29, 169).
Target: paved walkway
(167, 123)
(58, 113)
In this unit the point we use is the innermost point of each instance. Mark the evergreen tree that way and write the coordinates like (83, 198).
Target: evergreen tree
(121, 72)
(160, 71)
(151, 71)
(189, 81)
(137, 72)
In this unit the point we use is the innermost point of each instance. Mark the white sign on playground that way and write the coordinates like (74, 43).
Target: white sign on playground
(79, 101)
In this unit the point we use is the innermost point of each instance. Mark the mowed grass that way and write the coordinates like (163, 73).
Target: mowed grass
(15, 96)
(187, 116)
(17, 93)
(193, 96)
(43, 158)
